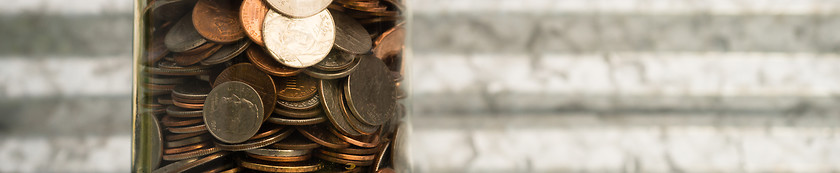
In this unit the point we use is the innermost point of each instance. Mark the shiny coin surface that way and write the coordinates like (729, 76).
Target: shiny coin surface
(218, 20)
(267, 64)
(298, 42)
(350, 36)
(331, 103)
(233, 112)
(261, 82)
(299, 8)
(296, 88)
(183, 36)
(370, 92)
(252, 14)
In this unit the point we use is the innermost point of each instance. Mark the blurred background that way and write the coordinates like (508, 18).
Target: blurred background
(498, 85)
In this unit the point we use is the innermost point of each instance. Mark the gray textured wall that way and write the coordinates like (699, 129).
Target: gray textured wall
(498, 85)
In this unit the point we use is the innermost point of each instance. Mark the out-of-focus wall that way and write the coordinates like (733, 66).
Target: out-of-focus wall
(498, 85)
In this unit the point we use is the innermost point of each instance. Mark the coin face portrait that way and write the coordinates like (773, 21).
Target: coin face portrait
(298, 42)
(233, 112)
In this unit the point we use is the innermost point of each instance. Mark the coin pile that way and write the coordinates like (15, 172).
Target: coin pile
(271, 85)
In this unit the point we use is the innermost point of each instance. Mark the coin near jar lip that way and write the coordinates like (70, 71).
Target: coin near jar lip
(296, 88)
(370, 92)
(390, 43)
(380, 155)
(253, 77)
(299, 8)
(267, 166)
(156, 140)
(227, 52)
(156, 49)
(296, 142)
(189, 163)
(307, 104)
(298, 42)
(318, 134)
(171, 9)
(252, 14)
(182, 36)
(233, 112)
(331, 103)
(350, 36)
(320, 74)
(191, 154)
(296, 122)
(180, 112)
(336, 60)
(267, 64)
(217, 20)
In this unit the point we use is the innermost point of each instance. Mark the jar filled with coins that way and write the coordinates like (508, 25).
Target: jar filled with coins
(270, 86)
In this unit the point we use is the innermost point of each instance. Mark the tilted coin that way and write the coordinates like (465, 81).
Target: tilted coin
(176, 166)
(183, 36)
(370, 92)
(370, 141)
(233, 112)
(218, 169)
(266, 130)
(217, 20)
(156, 140)
(255, 143)
(331, 103)
(307, 104)
(298, 42)
(296, 142)
(172, 121)
(156, 48)
(389, 43)
(336, 60)
(380, 156)
(191, 154)
(356, 150)
(318, 134)
(188, 141)
(347, 156)
(296, 88)
(299, 8)
(267, 64)
(350, 36)
(227, 52)
(171, 9)
(344, 161)
(250, 75)
(187, 148)
(252, 14)
(355, 123)
(320, 74)
(192, 89)
(200, 49)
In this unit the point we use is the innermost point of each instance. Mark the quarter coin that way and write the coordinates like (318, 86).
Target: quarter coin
(233, 112)
(298, 42)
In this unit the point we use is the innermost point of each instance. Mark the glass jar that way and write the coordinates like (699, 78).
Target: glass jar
(270, 85)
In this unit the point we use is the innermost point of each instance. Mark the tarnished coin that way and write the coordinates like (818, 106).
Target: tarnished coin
(331, 103)
(347, 156)
(295, 121)
(336, 60)
(227, 52)
(192, 162)
(280, 158)
(233, 112)
(344, 161)
(299, 8)
(175, 137)
(156, 48)
(267, 64)
(252, 14)
(296, 88)
(364, 129)
(256, 143)
(183, 36)
(371, 141)
(171, 9)
(350, 36)
(156, 140)
(370, 92)
(390, 43)
(298, 42)
(261, 82)
(319, 134)
(192, 89)
(307, 104)
(172, 121)
(200, 49)
(217, 20)
(188, 129)
(320, 74)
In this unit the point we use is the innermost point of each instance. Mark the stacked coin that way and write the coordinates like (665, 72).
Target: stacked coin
(272, 85)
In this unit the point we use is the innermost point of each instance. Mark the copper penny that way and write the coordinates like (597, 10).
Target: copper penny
(344, 161)
(217, 20)
(187, 163)
(319, 134)
(184, 59)
(347, 156)
(191, 154)
(188, 129)
(266, 130)
(183, 36)
(170, 121)
(267, 64)
(281, 158)
(174, 137)
(296, 88)
(251, 75)
(187, 148)
(252, 14)
(189, 105)
(199, 49)
(374, 139)
(180, 112)
(192, 89)
(268, 166)
(390, 43)
(255, 143)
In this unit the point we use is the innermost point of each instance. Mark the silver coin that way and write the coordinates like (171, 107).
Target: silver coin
(171, 9)
(183, 36)
(299, 8)
(298, 42)
(227, 52)
(233, 112)
(331, 102)
(272, 152)
(301, 105)
(350, 36)
(370, 92)
(336, 60)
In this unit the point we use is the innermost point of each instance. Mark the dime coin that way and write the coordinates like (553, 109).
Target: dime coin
(226, 53)
(390, 43)
(267, 64)
(261, 82)
(299, 8)
(233, 112)
(183, 36)
(252, 14)
(370, 92)
(217, 20)
(298, 42)
(331, 103)
(350, 36)
(296, 88)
